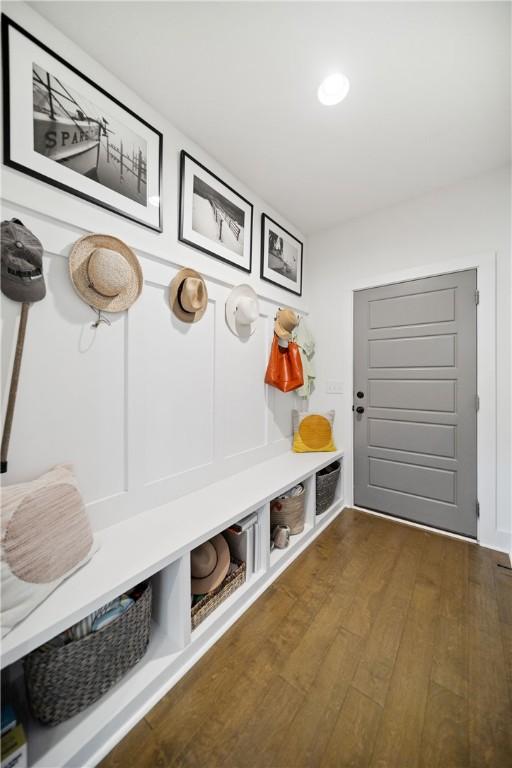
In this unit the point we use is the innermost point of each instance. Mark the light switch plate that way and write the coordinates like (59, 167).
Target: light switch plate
(334, 387)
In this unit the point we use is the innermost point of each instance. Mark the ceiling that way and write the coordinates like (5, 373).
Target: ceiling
(428, 106)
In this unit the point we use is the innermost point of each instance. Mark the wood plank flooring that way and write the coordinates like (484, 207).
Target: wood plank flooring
(382, 646)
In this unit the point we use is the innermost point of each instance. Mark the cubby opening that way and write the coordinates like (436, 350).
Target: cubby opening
(277, 553)
(243, 539)
(169, 634)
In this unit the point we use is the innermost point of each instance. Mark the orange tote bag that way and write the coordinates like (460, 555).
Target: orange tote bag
(284, 369)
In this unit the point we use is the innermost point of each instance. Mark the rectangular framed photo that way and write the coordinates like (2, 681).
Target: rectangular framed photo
(62, 128)
(214, 218)
(281, 256)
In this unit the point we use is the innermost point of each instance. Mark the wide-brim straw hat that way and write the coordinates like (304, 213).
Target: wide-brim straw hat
(188, 295)
(242, 310)
(105, 272)
(286, 321)
(209, 565)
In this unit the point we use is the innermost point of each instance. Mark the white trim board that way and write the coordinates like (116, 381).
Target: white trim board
(489, 535)
(59, 233)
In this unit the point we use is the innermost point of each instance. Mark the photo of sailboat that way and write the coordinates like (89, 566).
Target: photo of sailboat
(75, 133)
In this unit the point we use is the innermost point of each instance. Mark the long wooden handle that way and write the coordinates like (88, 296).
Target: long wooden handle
(6, 436)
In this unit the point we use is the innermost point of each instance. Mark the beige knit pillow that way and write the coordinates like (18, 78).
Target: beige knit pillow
(46, 536)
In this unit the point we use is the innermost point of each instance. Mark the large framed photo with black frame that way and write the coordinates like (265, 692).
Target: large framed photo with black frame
(214, 218)
(64, 129)
(281, 256)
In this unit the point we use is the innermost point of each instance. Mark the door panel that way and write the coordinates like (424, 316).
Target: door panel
(419, 352)
(412, 436)
(419, 308)
(415, 395)
(428, 482)
(415, 363)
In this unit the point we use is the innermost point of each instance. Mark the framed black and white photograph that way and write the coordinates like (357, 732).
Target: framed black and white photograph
(214, 217)
(281, 256)
(64, 129)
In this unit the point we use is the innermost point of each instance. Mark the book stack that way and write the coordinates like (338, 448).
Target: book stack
(14, 743)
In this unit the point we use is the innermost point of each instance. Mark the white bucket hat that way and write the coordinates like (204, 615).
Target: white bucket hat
(242, 310)
(105, 272)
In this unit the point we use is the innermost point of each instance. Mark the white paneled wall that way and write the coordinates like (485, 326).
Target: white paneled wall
(149, 408)
(145, 409)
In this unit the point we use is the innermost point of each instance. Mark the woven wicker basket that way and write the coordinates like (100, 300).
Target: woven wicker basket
(201, 610)
(63, 681)
(289, 511)
(326, 482)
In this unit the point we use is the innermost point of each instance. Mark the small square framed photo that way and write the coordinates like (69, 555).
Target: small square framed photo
(281, 256)
(214, 218)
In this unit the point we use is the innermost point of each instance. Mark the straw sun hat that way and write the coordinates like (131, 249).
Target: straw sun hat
(285, 322)
(188, 295)
(209, 564)
(105, 272)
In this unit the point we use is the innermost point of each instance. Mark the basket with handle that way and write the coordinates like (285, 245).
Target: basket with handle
(289, 511)
(326, 482)
(65, 680)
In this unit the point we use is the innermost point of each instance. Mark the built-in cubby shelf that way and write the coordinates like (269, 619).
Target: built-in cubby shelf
(156, 544)
(277, 555)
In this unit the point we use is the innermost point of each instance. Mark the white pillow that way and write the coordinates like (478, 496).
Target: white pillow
(46, 536)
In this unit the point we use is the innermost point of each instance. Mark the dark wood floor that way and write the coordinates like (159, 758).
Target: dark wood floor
(382, 645)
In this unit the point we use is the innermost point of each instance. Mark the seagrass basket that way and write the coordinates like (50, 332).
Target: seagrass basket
(290, 511)
(326, 482)
(201, 610)
(63, 681)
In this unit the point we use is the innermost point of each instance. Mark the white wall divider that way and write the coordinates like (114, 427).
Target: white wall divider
(310, 500)
(171, 602)
(265, 537)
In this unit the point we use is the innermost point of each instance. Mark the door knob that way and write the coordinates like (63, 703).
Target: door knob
(359, 409)
(360, 394)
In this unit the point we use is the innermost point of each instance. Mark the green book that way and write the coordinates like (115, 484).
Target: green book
(14, 748)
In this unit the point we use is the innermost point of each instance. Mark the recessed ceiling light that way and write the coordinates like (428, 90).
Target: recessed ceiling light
(333, 89)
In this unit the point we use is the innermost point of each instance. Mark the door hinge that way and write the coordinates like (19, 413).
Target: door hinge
(477, 402)
(477, 508)
(477, 296)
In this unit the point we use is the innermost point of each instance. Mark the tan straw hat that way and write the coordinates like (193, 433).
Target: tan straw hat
(188, 295)
(286, 321)
(209, 564)
(105, 272)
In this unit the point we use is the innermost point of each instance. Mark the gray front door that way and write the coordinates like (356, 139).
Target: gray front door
(415, 401)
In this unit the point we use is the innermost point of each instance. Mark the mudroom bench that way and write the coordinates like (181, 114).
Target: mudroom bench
(156, 545)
